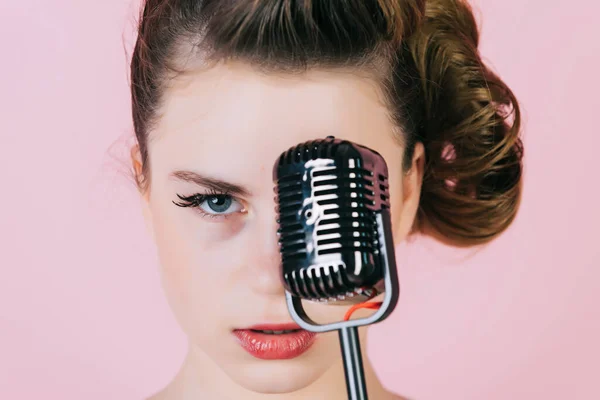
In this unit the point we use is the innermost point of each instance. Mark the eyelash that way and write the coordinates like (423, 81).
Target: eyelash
(197, 199)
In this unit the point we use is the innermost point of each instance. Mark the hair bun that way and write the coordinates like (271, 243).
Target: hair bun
(469, 123)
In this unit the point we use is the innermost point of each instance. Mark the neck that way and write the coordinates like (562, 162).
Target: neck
(200, 378)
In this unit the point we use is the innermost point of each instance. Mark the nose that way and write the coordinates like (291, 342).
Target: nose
(265, 260)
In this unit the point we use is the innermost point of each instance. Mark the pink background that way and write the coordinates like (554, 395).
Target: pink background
(82, 314)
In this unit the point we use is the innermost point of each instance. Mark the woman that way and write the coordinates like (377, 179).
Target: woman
(221, 88)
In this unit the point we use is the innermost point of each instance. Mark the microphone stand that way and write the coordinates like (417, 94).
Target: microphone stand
(353, 366)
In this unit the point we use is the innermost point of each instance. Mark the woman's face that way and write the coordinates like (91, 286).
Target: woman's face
(220, 131)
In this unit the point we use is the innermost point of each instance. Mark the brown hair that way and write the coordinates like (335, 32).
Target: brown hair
(439, 91)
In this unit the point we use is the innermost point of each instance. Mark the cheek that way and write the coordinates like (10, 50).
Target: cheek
(395, 187)
(189, 245)
(396, 202)
(193, 257)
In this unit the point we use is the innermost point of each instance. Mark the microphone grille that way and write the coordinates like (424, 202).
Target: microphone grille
(327, 195)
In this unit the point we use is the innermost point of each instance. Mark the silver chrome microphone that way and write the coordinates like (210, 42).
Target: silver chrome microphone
(335, 238)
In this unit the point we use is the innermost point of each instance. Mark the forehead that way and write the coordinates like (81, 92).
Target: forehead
(232, 122)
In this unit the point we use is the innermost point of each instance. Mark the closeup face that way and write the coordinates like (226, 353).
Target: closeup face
(217, 138)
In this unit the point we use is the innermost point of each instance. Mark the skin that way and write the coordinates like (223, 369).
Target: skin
(230, 122)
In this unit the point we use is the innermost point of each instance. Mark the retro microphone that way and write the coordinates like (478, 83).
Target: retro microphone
(335, 238)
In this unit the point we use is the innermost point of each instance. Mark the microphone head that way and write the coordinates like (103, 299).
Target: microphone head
(330, 195)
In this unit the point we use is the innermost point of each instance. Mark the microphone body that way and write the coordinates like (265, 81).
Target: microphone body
(329, 194)
(335, 238)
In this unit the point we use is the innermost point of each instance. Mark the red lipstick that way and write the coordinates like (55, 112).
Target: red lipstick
(275, 341)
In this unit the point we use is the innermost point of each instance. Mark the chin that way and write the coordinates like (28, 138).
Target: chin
(269, 377)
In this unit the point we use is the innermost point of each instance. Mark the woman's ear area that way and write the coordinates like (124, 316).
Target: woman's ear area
(412, 181)
(136, 161)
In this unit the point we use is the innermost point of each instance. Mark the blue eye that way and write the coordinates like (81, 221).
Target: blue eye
(219, 204)
(212, 205)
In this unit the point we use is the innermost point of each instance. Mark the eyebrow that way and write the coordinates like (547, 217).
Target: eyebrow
(210, 183)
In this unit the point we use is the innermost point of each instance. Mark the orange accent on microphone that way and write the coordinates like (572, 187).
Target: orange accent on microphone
(372, 305)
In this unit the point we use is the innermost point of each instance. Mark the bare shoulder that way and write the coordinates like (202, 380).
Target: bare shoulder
(395, 396)
(160, 395)
(163, 395)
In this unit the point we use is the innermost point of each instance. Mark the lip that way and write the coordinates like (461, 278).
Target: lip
(275, 347)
